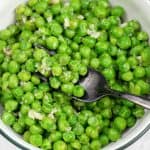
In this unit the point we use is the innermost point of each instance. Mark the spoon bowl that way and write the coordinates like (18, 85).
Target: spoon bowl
(96, 87)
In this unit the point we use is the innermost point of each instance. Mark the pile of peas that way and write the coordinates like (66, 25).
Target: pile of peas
(83, 34)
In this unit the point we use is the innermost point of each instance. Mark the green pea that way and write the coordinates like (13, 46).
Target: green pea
(138, 112)
(52, 42)
(113, 134)
(124, 112)
(24, 75)
(139, 72)
(78, 129)
(11, 105)
(13, 81)
(60, 145)
(102, 46)
(124, 42)
(117, 11)
(69, 136)
(28, 98)
(127, 76)
(78, 91)
(85, 51)
(95, 145)
(55, 136)
(92, 132)
(17, 128)
(84, 139)
(48, 124)
(54, 82)
(120, 123)
(5, 34)
(8, 118)
(36, 139)
(55, 28)
(105, 60)
(104, 139)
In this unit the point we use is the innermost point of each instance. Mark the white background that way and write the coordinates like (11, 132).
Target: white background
(142, 144)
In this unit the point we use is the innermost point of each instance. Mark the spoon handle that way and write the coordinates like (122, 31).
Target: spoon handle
(140, 100)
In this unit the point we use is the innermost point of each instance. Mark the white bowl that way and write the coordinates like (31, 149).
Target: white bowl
(135, 9)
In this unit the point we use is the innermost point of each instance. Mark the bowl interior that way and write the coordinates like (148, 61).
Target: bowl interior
(135, 9)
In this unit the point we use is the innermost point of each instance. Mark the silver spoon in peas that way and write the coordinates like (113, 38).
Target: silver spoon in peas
(96, 87)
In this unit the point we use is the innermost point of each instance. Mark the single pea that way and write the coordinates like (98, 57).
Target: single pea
(30, 65)
(89, 41)
(84, 139)
(17, 128)
(40, 7)
(26, 136)
(104, 139)
(76, 144)
(95, 145)
(11, 105)
(85, 51)
(113, 134)
(24, 75)
(117, 11)
(105, 60)
(35, 80)
(63, 125)
(48, 124)
(52, 42)
(78, 91)
(5, 34)
(138, 112)
(13, 67)
(144, 86)
(124, 112)
(69, 136)
(93, 121)
(8, 118)
(124, 42)
(17, 92)
(102, 46)
(78, 129)
(46, 144)
(142, 36)
(28, 98)
(124, 67)
(109, 73)
(105, 24)
(94, 63)
(55, 28)
(13, 81)
(92, 132)
(117, 32)
(24, 109)
(145, 54)
(131, 121)
(35, 129)
(60, 145)
(27, 86)
(127, 76)
(67, 88)
(36, 139)
(55, 9)
(139, 72)
(120, 123)
(83, 70)
(56, 70)
(54, 82)
(36, 105)
(55, 136)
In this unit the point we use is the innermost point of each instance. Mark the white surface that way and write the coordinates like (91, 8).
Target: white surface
(142, 144)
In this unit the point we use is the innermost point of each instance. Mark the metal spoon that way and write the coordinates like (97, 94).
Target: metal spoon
(96, 87)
